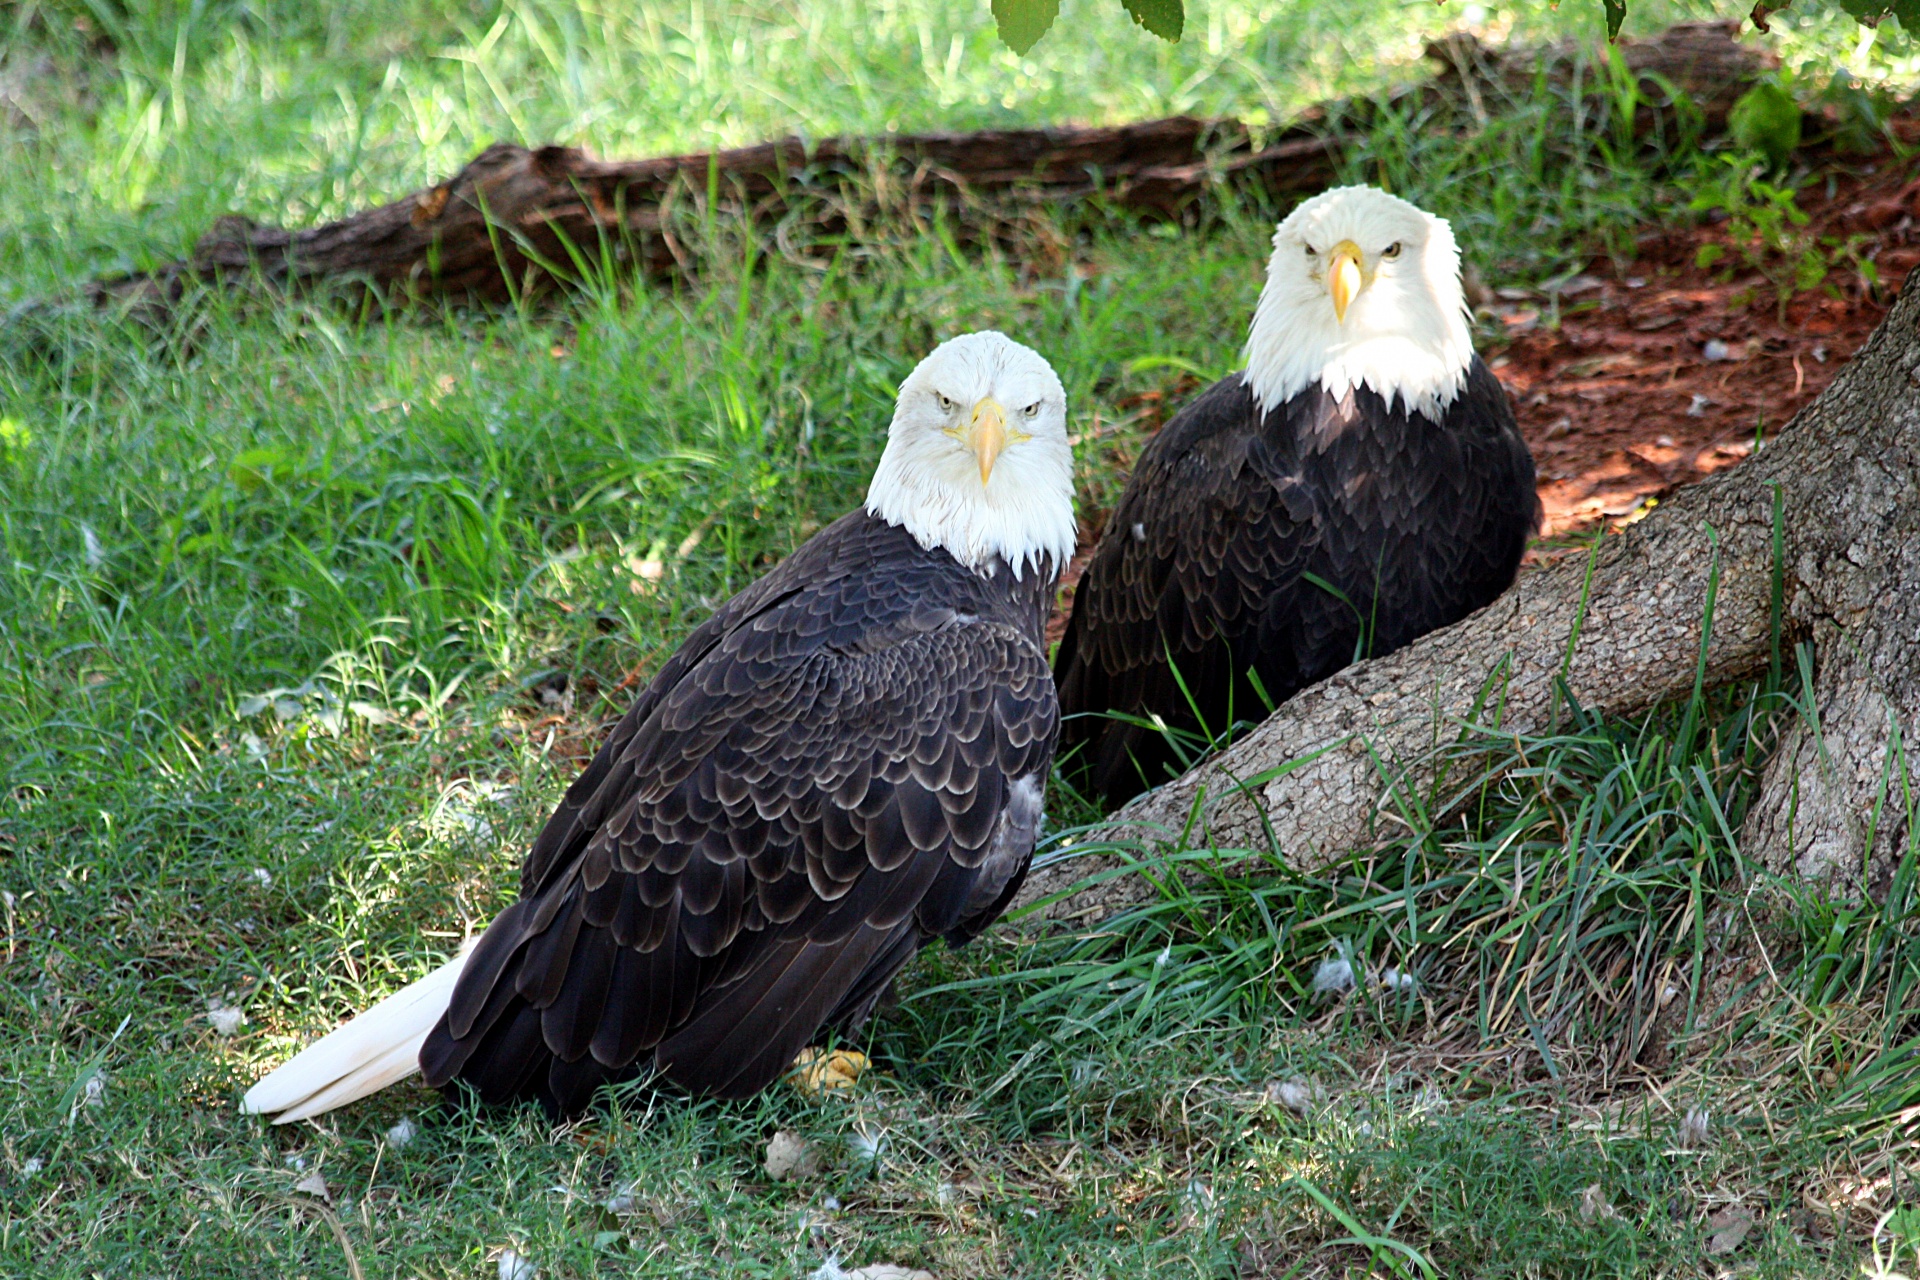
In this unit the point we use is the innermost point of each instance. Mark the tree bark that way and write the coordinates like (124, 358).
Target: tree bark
(1625, 627)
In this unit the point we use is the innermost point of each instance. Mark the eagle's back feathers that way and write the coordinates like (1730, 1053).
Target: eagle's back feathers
(842, 763)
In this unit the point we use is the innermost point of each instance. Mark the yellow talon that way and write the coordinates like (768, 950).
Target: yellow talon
(814, 1072)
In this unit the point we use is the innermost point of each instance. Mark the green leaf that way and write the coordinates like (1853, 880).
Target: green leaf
(1023, 22)
(1766, 119)
(255, 467)
(1616, 14)
(1874, 12)
(1165, 18)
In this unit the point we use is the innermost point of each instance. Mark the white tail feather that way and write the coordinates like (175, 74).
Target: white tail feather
(373, 1050)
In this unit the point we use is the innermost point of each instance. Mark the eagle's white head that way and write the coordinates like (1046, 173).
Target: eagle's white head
(977, 459)
(1363, 289)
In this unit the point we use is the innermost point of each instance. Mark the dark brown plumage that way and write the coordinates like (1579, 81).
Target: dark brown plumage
(1208, 562)
(843, 763)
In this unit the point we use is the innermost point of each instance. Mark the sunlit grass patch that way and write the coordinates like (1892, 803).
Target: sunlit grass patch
(127, 128)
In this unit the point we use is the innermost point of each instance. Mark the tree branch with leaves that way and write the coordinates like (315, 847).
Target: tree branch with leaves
(1023, 22)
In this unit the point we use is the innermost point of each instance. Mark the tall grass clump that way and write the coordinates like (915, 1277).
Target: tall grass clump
(1542, 897)
(1567, 910)
(1435, 1047)
(1548, 925)
(1537, 175)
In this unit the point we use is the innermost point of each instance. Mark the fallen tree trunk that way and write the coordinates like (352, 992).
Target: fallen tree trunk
(1624, 628)
(515, 219)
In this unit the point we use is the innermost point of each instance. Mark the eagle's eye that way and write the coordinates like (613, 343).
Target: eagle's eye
(946, 405)
(1032, 410)
(1393, 250)
(1310, 250)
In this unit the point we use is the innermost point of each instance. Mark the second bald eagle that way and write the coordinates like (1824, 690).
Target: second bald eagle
(1361, 484)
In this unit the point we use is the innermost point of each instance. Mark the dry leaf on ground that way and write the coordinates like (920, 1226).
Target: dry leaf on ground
(791, 1156)
(1729, 1228)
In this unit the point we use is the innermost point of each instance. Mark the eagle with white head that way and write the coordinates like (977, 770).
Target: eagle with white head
(845, 762)
(1360, 484)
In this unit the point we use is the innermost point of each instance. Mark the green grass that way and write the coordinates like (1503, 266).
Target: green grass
(305, 622)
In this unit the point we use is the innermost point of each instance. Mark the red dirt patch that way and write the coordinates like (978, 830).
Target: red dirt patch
(1661, 371)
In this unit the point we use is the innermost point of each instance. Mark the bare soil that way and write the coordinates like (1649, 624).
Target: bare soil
(1658, 371)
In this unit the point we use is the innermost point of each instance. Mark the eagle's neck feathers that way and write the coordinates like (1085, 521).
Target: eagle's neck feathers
(1022, 516)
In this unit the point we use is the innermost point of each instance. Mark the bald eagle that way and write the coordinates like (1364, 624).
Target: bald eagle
(1359, 485)
(846, 761)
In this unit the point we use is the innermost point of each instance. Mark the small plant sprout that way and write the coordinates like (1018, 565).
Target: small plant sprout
(1898, 1230)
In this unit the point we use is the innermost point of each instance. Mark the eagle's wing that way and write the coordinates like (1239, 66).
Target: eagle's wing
(1210, 529)
(784, 818)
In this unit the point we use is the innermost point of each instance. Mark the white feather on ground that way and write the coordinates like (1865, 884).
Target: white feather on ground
(378, 1048)
(1335, 974)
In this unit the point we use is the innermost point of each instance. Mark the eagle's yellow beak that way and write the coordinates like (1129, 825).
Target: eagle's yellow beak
(988, 434)
(1345, 277)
